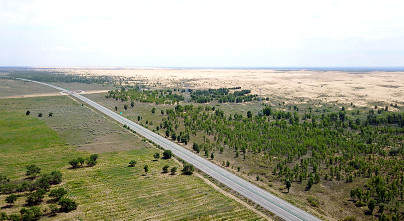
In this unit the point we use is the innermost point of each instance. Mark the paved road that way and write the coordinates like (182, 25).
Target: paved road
(274, 204)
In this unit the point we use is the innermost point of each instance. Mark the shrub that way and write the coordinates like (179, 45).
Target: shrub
(56, 177)
(91, 162)
(11, 198)
(53, 209)
(94, 157)
(188, 169)
(165, 168)
(33, 213)
(167, 154)
(32, 170)
(146, 168)
(57, 194)
(173, 170)
(156, 156)
(132, 163)
(67, 205)
(74, 163)
(35, 197)
(313, 201)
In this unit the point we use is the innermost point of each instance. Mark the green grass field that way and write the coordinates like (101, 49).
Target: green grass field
(110, 190)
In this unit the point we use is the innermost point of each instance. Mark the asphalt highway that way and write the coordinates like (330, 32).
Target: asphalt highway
(265, 199)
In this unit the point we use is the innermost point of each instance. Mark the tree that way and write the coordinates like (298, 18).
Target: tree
(146, 168)
(167, 154)
(162, 112)
(132, 103)
(316, 178)
(156, 156)
(212, 156)
(138, 118)
(267, 111)
(188, 169)
(57, 194)
(116, 108)
(371, 205)
(50, 114)
(32, 170)
(11, 198)
(173, 170)
(249, 114)
(381, 208)
(67, 205)
(125, 106)
(40, 115)
(132, 163)
(310, 183)
(27, 113)
(227, 163)
(153, 110)
(195, 146)
(165, 168)
(288, 185)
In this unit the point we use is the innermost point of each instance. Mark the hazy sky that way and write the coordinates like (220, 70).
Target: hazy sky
(202, 33)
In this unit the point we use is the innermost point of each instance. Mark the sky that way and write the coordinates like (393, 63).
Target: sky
(203, 33)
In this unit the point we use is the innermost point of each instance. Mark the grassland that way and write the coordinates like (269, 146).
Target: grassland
(110, 190)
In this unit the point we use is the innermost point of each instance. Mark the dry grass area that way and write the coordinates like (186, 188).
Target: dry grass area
(110, 190)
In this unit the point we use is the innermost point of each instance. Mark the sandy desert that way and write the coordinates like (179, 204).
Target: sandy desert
(344, 87)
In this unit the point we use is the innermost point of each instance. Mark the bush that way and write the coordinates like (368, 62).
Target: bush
(313, 201)
(56, 177)
(91, 162)
(188, 169)
(165, 168)
(33, 213)
(132, 163)
(146, 168)
(67, 205)
(14, 217)
(32, 170)
(11, 198)
(173, 170)
(53, 209)
(74, 163)
(3, 216)
(35, 197)
(167, 154)
(94, 157)
(57, 194)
